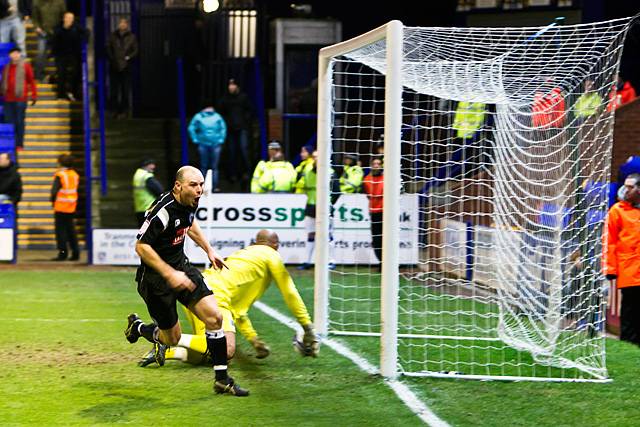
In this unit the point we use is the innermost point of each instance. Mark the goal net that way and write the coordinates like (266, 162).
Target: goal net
(496, 163)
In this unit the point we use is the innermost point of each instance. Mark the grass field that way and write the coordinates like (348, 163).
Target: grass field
(65, 362)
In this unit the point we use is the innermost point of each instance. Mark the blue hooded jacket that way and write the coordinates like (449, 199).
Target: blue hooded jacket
(208, 128)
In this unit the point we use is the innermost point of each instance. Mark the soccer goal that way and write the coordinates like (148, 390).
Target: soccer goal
(497, 150)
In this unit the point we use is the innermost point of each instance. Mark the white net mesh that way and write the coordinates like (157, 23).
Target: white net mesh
(506, 146)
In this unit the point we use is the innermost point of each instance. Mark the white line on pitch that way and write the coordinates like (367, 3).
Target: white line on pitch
(401, 390)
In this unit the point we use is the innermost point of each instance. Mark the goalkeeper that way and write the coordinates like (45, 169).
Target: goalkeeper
(250, 273)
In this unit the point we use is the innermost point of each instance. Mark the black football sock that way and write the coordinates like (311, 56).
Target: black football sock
(149, 332)
(217, 346)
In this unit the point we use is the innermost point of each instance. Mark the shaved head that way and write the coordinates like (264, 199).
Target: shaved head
(188, 186)
(268, 238)
(185, 173)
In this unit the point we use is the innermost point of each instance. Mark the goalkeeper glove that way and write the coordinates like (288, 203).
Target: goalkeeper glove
(262, 349)
(310, 343)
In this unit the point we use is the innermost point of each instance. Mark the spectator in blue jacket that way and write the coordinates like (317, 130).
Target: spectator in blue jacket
(208, 131)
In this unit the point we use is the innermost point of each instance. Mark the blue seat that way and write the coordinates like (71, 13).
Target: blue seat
(5, 48)
(7, 215)
(7, 140)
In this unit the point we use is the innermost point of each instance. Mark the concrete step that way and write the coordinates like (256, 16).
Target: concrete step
(35, 197)
(40, 213)
(48, 220)
(39, 163)
(44, 232)
(60, 137)
(34, 154)
(47, 129)
(59, 120)
(53, 113)
(41, 103)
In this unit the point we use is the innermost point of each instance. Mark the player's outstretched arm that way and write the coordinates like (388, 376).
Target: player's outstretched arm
(245, 327)
(289, 292)
(310, 343)
(196, 234)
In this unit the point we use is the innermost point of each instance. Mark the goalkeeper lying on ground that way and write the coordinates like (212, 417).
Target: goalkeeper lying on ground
(250, 273)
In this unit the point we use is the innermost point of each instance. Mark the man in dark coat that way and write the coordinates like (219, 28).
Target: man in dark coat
(237, 111)
(122, 48)
(67, 50)
(10, 180)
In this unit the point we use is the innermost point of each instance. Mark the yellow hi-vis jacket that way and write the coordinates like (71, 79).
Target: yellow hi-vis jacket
(469, 118)
(142, 197)
(351, 179)
(275, 177)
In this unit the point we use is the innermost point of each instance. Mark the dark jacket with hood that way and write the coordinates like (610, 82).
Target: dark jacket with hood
(237, 110)
(11, 183)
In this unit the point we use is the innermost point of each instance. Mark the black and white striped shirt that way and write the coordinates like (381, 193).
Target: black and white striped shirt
(166, 227)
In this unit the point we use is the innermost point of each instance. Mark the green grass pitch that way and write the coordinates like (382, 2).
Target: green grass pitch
(65, 361)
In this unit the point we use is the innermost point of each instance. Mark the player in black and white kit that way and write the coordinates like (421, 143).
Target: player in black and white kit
(165, 275)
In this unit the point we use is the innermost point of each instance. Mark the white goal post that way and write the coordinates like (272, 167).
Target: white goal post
(497, 148)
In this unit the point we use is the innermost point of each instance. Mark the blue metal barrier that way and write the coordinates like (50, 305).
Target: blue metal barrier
(182, 112)
(88, 165)
(260, 106)
(99, 85)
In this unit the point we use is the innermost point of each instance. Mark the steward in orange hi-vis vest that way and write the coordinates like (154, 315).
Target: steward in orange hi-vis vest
(66, 198)
(622, 256)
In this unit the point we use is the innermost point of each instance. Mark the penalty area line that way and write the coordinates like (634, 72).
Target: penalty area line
(401, 390)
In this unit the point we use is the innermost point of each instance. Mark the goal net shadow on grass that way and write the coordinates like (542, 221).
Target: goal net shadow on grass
(448, 327)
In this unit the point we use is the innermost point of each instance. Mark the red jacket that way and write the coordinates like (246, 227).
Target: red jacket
(29, 82)
(622, 244)
(374, 188)
(621, 97)
(548, 109)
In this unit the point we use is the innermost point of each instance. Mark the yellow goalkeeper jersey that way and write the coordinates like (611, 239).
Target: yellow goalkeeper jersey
(250, 273)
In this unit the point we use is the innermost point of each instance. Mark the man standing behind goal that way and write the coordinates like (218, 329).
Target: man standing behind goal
(622, 256)
(165, 275)
(373, 185)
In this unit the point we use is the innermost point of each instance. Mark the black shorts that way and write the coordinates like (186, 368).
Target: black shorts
(310, 210)
(161, 299)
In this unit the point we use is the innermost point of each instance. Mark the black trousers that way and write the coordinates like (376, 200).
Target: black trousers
(68, 75)
(120, 90)
(376, 233)
(66, 232)
(630, 315)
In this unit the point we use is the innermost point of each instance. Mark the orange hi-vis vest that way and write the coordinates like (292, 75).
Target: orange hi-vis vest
(67, 197)
(621, 252)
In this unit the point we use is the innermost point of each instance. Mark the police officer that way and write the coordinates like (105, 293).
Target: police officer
(276, 175)
(146, 189)
(165, 275)
(352, 174)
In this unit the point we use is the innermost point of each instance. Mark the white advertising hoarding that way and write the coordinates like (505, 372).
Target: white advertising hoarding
(496, 256)
(6, 244)
(454, 248)
(231, 221)
(115, 246)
